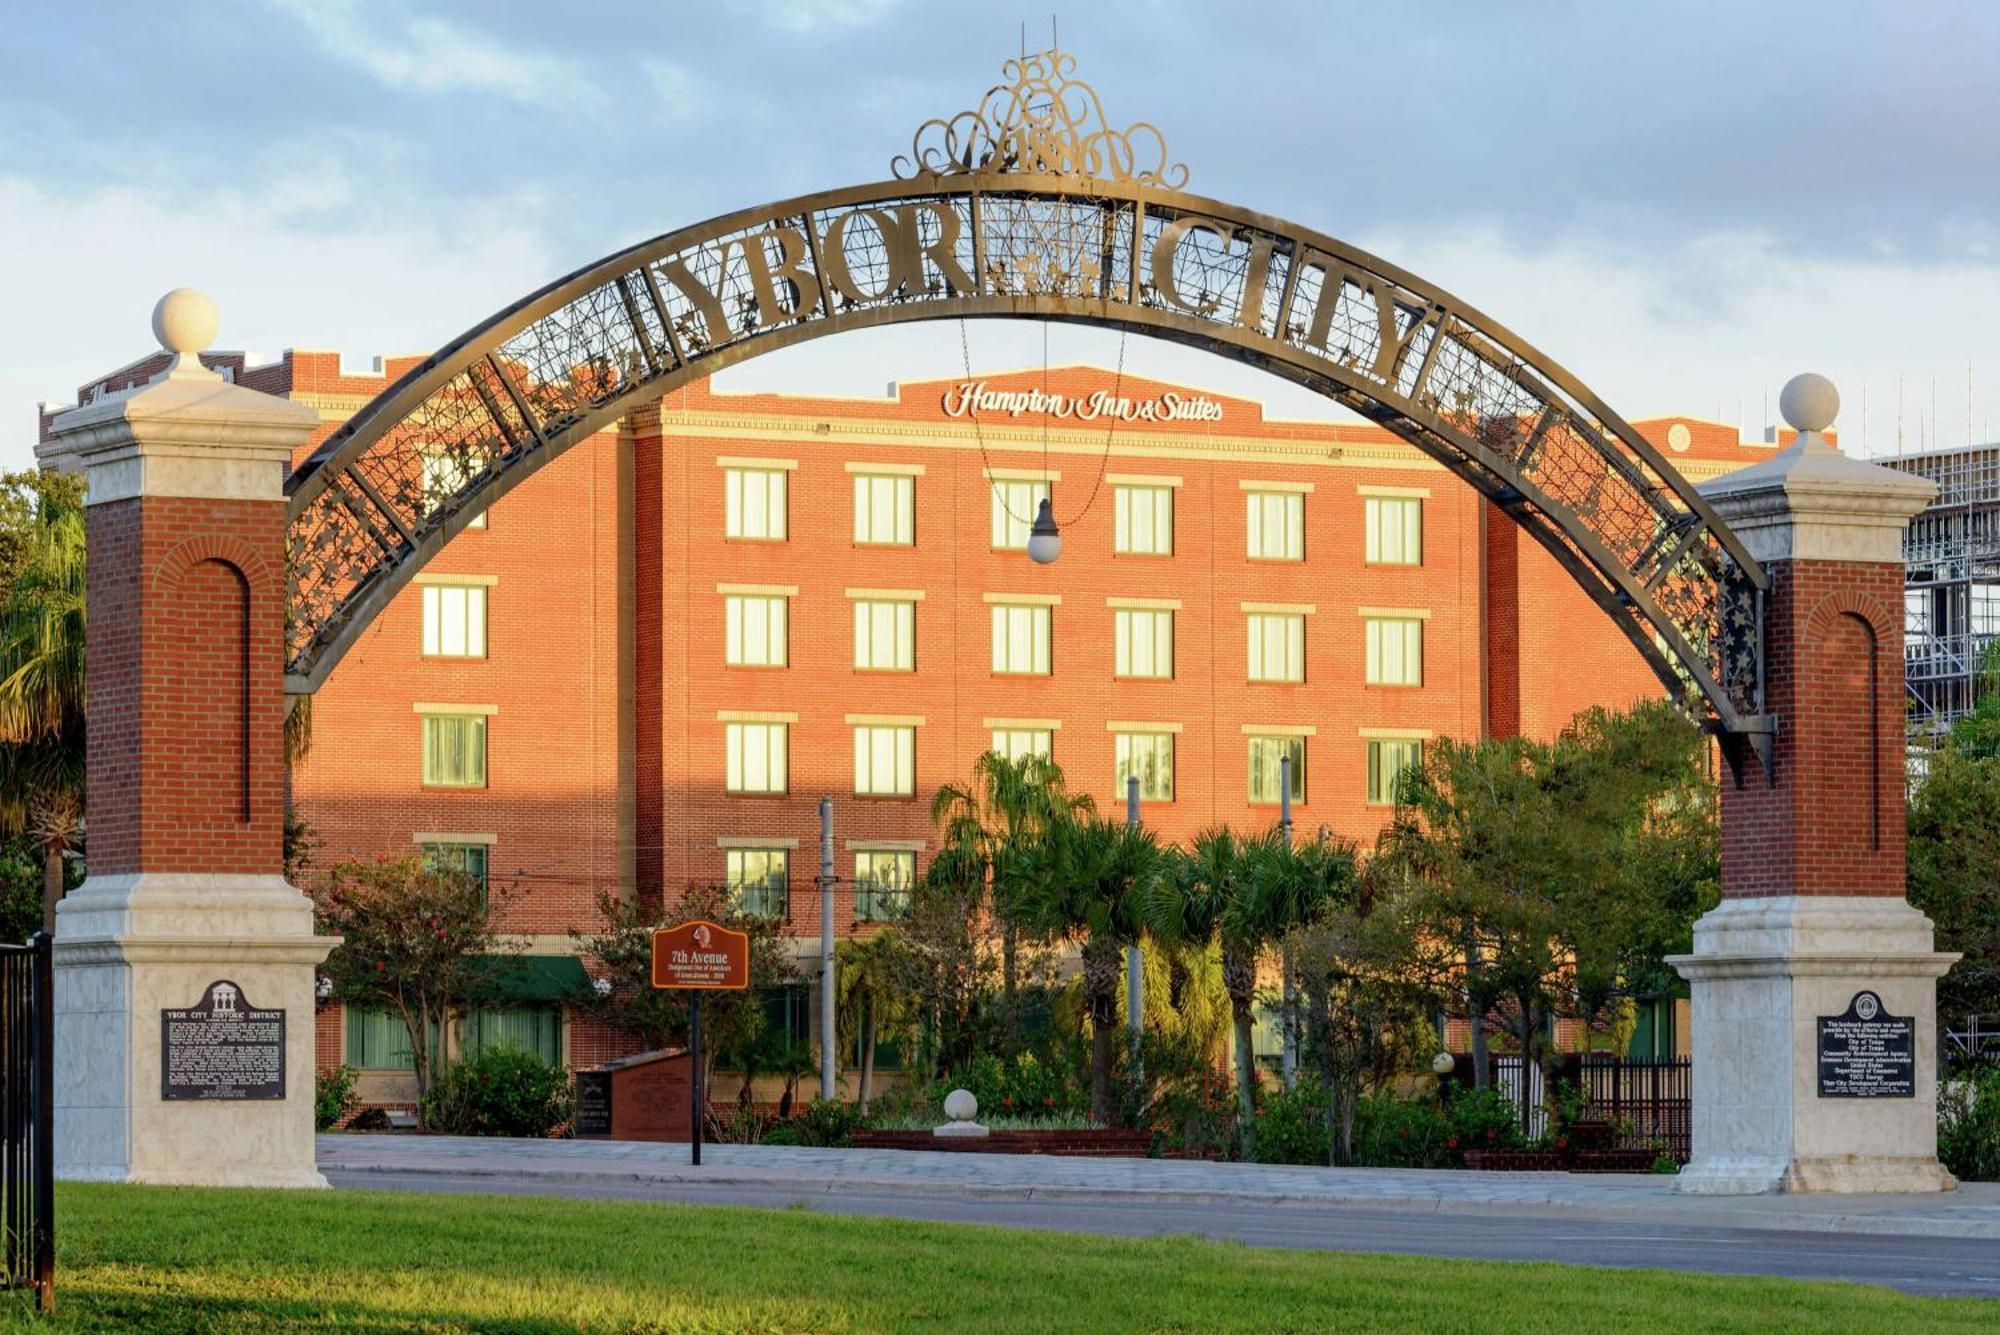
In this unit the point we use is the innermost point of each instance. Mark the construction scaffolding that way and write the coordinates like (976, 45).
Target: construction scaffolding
(1951, 593)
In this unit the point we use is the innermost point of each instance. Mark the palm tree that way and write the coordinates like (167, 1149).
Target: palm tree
(1087, 880)
(1248, 894)
(42, 683)
(871, 997)
(992, 821)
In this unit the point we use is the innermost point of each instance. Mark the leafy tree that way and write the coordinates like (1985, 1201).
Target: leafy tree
(947, 972)
(992, 822)
(1954, 860)
(870, 997)
(42, 669)
(1544, 877)
(416, 941)
(1083, 881)
(731, 1022)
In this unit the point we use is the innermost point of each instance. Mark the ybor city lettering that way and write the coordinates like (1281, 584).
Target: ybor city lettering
(925, 250)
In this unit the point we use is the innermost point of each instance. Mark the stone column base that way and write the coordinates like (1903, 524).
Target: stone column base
(128, 947)
(1763, 971)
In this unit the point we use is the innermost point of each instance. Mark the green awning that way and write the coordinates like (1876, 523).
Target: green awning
(522, 978)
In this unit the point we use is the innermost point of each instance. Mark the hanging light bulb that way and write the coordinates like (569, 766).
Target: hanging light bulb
(1044, 539)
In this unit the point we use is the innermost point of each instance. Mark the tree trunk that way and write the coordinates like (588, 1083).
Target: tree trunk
(1239, 979)
(1100, 989)
(867, 1090)
(52, 884)
(1475, 1016)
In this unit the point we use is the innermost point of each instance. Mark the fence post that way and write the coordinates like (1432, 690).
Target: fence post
(45, 1109)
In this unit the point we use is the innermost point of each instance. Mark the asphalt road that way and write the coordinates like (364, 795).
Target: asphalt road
(1926, 1265)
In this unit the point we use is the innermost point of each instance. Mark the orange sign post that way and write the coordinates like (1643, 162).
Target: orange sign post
(698, 957)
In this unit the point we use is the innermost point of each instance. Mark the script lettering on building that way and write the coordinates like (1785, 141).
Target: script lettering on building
(974, 398)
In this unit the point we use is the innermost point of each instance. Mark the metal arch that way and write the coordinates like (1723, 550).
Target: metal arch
(409, 470)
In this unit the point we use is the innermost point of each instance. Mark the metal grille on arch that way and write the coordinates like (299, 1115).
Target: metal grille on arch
(1030, 205)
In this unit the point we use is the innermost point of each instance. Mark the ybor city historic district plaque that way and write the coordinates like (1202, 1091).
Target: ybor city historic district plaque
(222, 1047)
(1867, 1053)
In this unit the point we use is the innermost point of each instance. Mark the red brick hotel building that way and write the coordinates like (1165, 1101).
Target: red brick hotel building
(648, 663)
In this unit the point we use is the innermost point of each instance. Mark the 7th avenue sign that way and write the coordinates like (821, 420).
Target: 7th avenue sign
(698, 957)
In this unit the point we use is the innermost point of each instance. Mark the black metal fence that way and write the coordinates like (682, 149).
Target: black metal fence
(27, 1116)
(1649, 1101)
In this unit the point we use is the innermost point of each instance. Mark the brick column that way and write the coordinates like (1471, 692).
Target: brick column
(185, 805)
(1813, 914)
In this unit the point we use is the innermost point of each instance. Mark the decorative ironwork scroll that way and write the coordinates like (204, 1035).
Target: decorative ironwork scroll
(1071, 234)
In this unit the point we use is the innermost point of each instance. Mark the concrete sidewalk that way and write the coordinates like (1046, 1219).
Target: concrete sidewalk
(1973, 1211)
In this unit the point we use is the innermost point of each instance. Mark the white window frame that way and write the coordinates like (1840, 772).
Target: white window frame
(871, 617)
(1275, 525)
(431, 741)
(1127, 745)
(740, 865)
(1261, 795)
(1395, 651)
(756, 630)
(751, 494)
(885, 760)
(868, 892)
(1394, 530)
(1381, 778)
(757, 757)
(1143, 643)
(1143, 519)
(1015, 504)
(1014, 743)
(448, 607)
(885, 503)
(1014, 623)
(1279, 636)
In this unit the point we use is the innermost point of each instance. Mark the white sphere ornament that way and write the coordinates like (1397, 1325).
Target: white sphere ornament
(960, 1105)
(1809, 402)
(185, 321)
(1443, 1064)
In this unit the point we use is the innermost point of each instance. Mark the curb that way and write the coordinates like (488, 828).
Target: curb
(1690, 1216)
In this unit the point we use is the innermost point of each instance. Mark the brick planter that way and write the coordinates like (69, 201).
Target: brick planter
(1560, 1161)
(1135, 1144)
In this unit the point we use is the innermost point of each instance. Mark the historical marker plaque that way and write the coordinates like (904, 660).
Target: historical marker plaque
(222, 1048)
(593, 1105)
(701, 956)
(1867, 1053)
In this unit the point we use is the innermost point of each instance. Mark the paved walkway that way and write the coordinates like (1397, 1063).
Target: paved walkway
(1973, 1211)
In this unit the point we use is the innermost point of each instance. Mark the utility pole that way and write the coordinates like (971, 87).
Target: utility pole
(828, 1063)
(1135, 962)
(1288, 1061)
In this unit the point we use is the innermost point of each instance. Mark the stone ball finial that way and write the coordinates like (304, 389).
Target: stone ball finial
(960, 1105)
(1809, 402)
(185, 322)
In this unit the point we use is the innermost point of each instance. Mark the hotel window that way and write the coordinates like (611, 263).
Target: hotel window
(468, 860)
(756, 631)
(885, 635)
(760, 881)
(532, 1029)
(1020, 743)
(1014, 507)
(1277, 525)
(1277, 646)
(885, 510)
(1143, 523)
(377, 1040)
(454, 621)
(1021, 639)
(454, 751)
(1395, 530)
(882, 881)
(444, 475)
(1143, 642)
(1150, 755)
(1265, 753)
(1387, 760)
(885, 760)
(754, 504)
(1395, 651)
(757, 755)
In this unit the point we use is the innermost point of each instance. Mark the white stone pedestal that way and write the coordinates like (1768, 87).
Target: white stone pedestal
(1763, 971)
(129, 947)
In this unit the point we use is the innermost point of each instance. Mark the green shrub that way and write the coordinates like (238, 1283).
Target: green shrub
(825, 1122)
(1025, 1086)
(1483, 1119)
(1969, 1124)
(1291, 1127)
(1403, 1133)
(501, 1092)
(333, 1097)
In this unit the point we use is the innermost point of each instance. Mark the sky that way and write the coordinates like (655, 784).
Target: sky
(1683, 202)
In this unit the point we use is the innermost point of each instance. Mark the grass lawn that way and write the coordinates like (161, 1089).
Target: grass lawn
(164, 1259)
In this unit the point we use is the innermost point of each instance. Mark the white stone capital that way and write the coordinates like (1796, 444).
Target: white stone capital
(1810, 502)
(188, 432)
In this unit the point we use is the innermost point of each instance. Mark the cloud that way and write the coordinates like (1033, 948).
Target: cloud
(819, 16)
(437, 56)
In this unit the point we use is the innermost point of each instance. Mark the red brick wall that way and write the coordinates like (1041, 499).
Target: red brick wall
(1832, 822)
